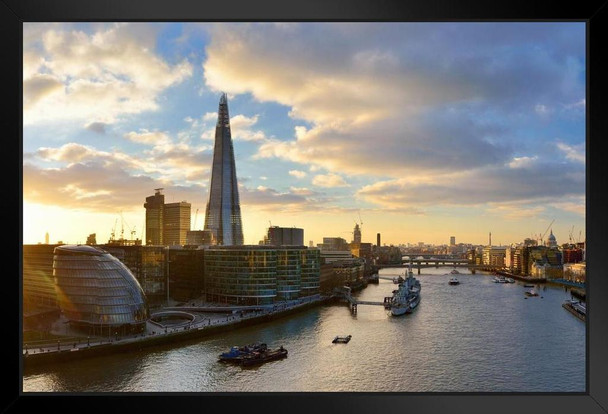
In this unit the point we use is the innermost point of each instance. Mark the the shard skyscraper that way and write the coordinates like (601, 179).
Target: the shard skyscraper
(223, 215)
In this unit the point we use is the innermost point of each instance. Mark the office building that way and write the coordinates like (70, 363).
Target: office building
(285, 236)
(154, 206)
(258, 275)
(176, 223)
(223, 214)
(452, 240)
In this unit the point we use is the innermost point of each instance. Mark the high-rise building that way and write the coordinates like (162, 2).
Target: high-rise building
(378, 239)
(223, 214)
(285, 236)
(176, 223)
(357, 234)
(452, 240)
(46, 238)
(154, 217)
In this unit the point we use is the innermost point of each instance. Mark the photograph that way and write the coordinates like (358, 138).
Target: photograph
(304, 207)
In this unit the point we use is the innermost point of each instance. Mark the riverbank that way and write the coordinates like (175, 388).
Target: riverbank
(50, 353)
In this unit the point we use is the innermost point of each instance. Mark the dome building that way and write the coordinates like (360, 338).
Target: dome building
(551, 241)
(96, 291)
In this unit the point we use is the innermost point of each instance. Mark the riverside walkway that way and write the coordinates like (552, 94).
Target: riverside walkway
(156, 332)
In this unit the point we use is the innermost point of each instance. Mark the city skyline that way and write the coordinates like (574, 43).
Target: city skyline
(420, 131)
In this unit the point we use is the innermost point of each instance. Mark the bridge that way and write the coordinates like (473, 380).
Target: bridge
(436, 262)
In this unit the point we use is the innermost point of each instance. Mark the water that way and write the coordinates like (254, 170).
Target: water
(478, 336)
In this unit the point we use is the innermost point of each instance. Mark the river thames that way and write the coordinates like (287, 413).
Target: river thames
(478, 336)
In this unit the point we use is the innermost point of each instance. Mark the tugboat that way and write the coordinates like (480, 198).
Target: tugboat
(256, 358)
(578, 309)
(407, 297)
(342, 339)
(453, 281)
(237, 353)
(531, 292)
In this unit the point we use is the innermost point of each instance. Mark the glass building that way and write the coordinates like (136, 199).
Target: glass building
(223, 214)
(260, 275)
(244, 275)
(96, 291)
(311, 271)
(289, 273)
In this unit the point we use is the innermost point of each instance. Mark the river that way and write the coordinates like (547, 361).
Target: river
(478, 336)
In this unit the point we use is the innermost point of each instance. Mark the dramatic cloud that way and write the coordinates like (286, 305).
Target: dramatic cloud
(149, 138)
(538, 181)
(96, 76)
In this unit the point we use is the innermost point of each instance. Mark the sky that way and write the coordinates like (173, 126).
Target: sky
(417, 131)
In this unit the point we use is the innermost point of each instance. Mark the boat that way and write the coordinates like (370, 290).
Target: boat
(236, 353)
(455, 272)
(397, 280)
(256, 358)
(341, 339)
(529, 286)
(407, 297)
(453, 281)
(577, 308)
(532, 292)
(500, 279)
(510, 280)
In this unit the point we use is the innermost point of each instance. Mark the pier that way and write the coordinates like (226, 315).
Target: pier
(344, 293)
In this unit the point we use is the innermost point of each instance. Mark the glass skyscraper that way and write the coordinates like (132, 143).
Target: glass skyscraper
(223, 215)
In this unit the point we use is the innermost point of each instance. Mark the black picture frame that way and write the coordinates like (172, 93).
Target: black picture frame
(595, 13)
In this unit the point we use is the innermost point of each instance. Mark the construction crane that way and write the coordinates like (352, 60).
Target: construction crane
(570, 235)
(543, 236)
(113, 230)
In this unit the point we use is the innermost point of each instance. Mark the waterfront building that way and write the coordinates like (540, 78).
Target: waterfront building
(223, 214)
(544, 262)
(285, 236)
(154, 206)
(311, 269)
(388, 255)
(185, 273)
(176, 223)
(258, 275)
(38, 287)
(494, 255)
(575, 272)
(95, 291)
(520, 260)
(289, 273)
(243, 275)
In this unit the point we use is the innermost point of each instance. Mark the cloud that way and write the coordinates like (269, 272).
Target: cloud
(329, 180)
(573, 153)
(148, 137)
(534, 181)
(297, 173)
(98, 76)
(375, 93)
(98, 127)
